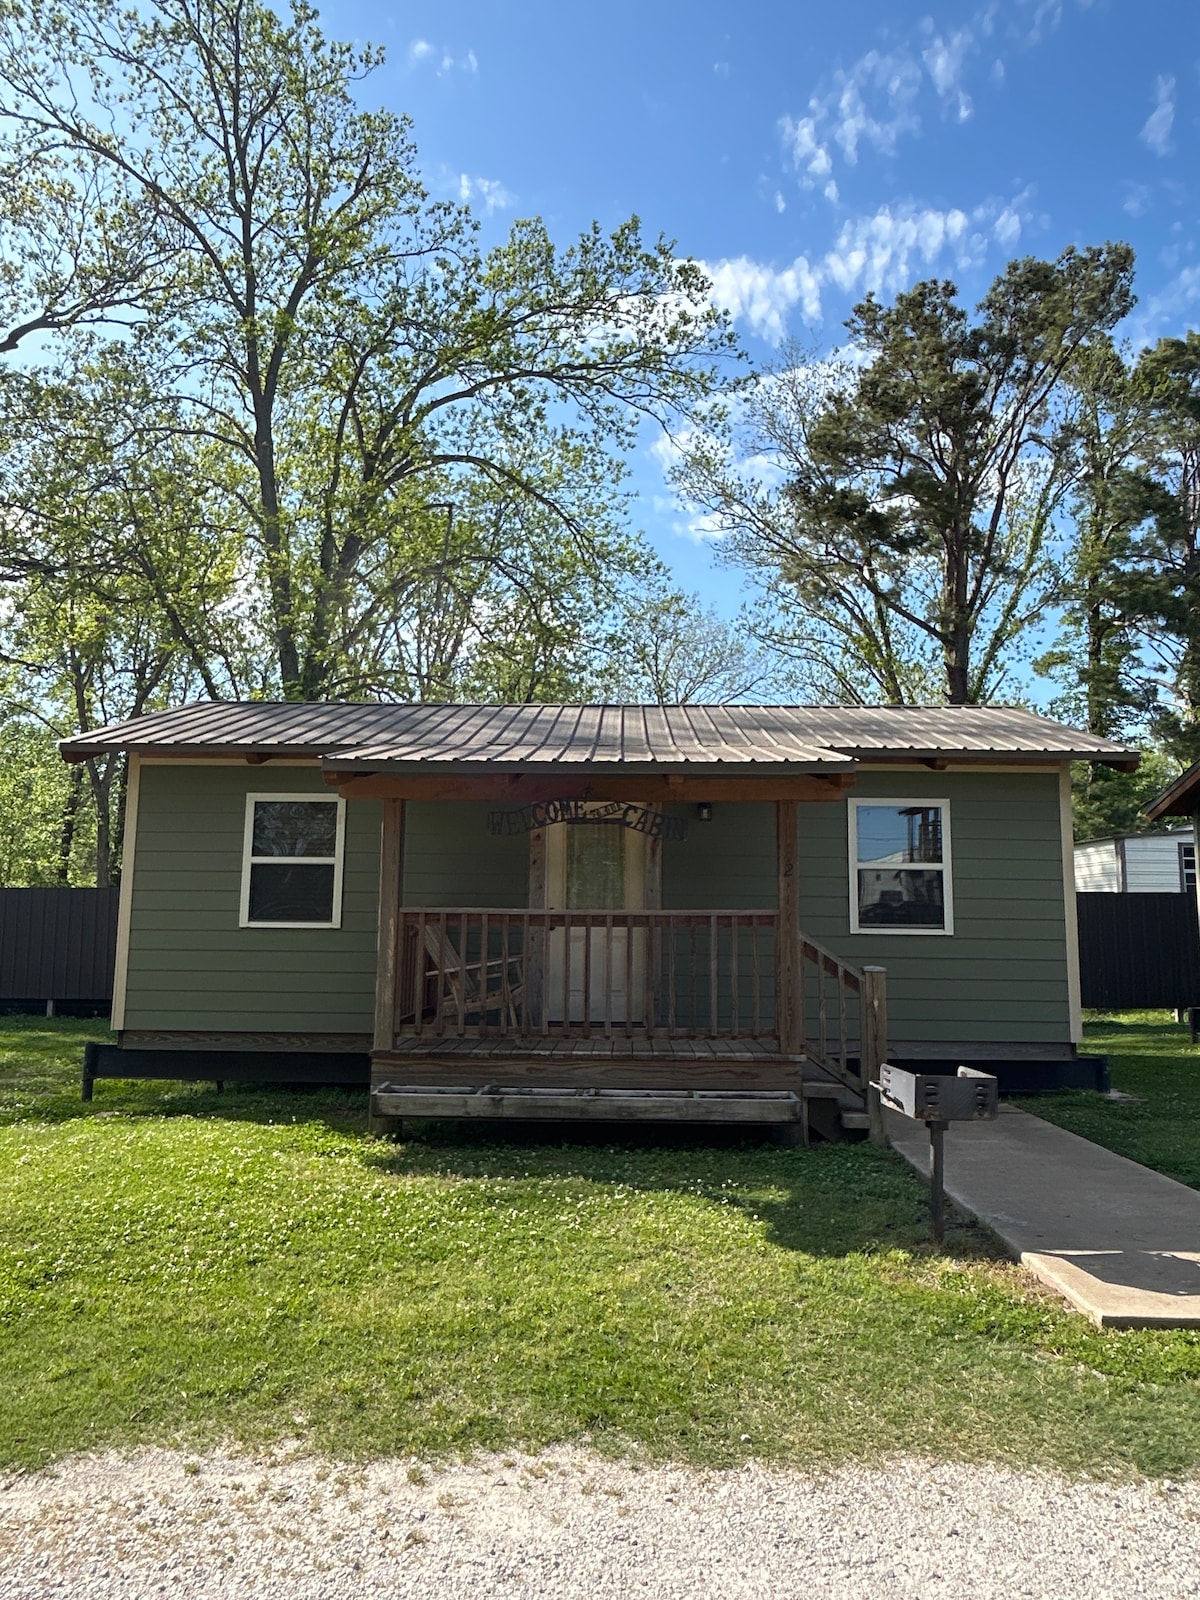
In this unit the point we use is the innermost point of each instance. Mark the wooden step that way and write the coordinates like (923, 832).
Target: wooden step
(560, 1103)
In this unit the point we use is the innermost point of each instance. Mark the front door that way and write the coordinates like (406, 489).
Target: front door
(595, 866)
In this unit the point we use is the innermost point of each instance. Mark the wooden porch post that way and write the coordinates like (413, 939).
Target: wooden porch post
(873, 1044)
(387, 960)
(789, 1013)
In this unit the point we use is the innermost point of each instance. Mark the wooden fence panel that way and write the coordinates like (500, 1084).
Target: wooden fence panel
(57, 944)
(1138, 950)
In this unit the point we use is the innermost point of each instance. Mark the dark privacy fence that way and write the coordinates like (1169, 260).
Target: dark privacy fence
(1138, 950)
(57, 944)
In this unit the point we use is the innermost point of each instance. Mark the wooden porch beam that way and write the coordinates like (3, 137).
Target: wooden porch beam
(391, 873)
(519, 789)
(789, 978)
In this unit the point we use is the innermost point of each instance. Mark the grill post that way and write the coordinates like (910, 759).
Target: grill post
(937, 1180)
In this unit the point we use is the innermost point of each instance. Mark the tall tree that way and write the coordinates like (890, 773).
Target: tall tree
(1102, 442)
(1162, 583)
(669, 648)
(900, 506)
(115, 585)
(342, 341)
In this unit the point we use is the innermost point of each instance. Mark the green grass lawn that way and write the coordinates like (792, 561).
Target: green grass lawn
(1151, 1060)
(181, 1266)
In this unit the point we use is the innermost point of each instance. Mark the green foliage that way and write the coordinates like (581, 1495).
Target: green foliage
(337, 351)
(1162, 581)
(1129, 658)
(181, 1266)
(911, 522)
(46, 837)
(1105, 802)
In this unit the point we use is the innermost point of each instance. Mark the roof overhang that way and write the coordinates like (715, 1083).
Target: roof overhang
(1179, 799)
(612, 781)
(628, 741)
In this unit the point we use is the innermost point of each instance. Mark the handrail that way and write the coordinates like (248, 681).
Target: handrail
(487, 972)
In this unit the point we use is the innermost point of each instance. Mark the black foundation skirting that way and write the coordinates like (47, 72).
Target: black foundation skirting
(313, 1068)
(352, 1069)
(1022, 1077)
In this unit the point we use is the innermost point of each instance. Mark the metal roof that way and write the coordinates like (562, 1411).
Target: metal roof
(1179, 799)
(1183, 831)
(813, 738)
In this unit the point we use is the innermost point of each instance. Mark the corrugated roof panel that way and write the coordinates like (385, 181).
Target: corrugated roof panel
(645, 735)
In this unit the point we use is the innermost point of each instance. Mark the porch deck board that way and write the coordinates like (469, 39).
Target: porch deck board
(638, 1062)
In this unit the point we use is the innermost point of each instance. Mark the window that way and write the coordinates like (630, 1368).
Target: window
(900, 867)
(292, 862)
(1187, 868)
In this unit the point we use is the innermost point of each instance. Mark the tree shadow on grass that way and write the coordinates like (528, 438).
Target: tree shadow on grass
(828, 1200)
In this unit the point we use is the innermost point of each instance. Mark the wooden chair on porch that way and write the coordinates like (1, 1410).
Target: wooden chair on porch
(471, 989)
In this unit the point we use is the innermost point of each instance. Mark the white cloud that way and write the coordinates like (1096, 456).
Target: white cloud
(1137, 199)
(874, 102)
(1006, 230)
(420, 51)
(945, 59)
(780, 203)
(878, 254)
(486, 192)
(1156, 131)
(761, 296)
(1170, 311)
(806, 150)
(885, 252)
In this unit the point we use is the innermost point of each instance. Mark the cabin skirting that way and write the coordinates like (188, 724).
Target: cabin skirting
(186, 1064)
(310, 1061)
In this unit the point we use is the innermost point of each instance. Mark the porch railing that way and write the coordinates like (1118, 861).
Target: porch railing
(470, 973)
(841, 1015)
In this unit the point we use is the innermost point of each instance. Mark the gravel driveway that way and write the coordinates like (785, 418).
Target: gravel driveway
(568, 1524)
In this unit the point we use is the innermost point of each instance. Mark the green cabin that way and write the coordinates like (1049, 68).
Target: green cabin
(710, 912)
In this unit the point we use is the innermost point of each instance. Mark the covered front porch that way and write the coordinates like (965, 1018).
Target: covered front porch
(594, 1000)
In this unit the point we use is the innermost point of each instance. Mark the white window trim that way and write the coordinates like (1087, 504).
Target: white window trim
(944, 866)
(1184, 846)
(249, 860)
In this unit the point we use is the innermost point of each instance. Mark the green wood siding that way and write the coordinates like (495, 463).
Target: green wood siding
(190, 966)
(450, 858)
(728, 863)
(1001, 977)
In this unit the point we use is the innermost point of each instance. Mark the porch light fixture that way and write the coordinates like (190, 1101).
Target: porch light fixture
(704, 811)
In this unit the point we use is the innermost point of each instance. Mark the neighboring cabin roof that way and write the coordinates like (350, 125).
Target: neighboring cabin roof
(813, 738)
(1118, 838)
(1179, 799)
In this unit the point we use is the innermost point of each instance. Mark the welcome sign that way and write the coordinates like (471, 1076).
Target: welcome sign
(640, 818)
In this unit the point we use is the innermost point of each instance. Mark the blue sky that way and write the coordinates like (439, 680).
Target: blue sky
(808, 153)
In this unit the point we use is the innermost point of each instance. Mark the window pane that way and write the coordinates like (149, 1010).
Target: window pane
(899, 833)
(294, 828)
(595, 866)
(291, 893)
(908, 898)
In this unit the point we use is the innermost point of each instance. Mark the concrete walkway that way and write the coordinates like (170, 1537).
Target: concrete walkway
(1121, 1242)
